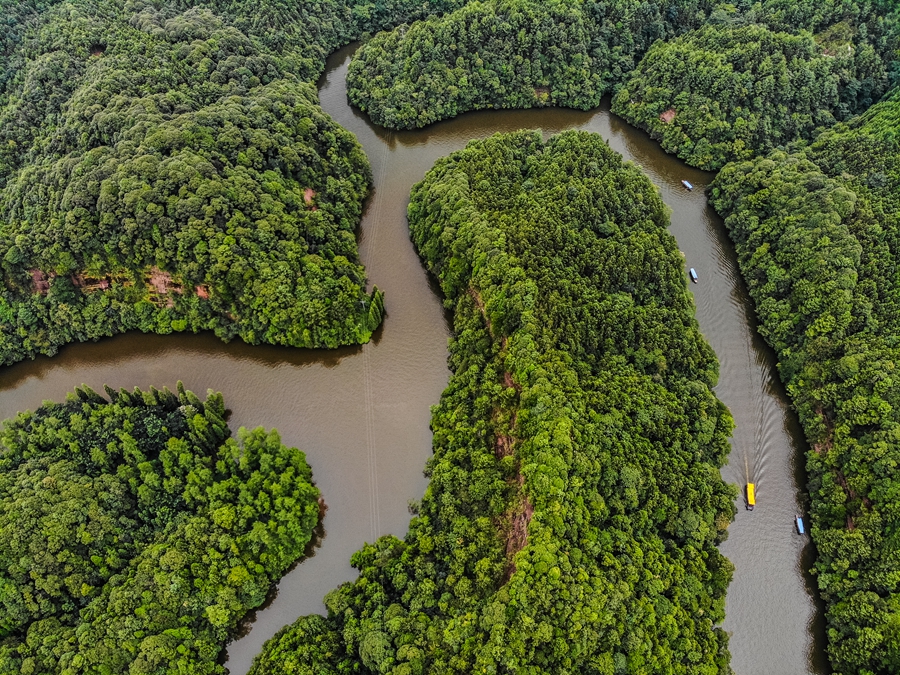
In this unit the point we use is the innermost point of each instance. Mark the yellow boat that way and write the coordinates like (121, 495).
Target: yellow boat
(751, 496)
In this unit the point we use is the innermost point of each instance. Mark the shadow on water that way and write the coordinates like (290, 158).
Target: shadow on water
(120, 348)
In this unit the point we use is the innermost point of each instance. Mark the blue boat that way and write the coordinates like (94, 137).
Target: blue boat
(800, 529)
(694, 276)
(687, 185)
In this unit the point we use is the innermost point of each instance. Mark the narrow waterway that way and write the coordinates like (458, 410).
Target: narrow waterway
(362, 414)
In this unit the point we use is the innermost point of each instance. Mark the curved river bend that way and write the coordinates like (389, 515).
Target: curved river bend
(362, 414)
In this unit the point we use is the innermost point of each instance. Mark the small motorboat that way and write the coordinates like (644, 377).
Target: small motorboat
(694, 276)
(687, 184)
(800, 529)
(751, 496)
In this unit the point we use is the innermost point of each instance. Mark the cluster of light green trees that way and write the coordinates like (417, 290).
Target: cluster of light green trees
(137, 534)
(575, 502)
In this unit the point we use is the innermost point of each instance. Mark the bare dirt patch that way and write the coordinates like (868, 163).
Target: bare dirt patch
(89, 284)
(479, 303)
(161, 286)
(308, 196)
(40, 282)
(517, 535)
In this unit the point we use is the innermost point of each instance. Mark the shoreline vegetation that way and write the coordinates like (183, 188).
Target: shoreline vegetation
(784, 96)
(817, 233)
(722, 94)
(165, 167)
(575, 502)
(508, 54)
(137, 533)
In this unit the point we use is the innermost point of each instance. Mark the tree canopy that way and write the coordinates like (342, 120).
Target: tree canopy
(575, 501)
(726, 93)
(137, 534)
(817, 233)
(757, 79)
(167, 167)
(508, 54)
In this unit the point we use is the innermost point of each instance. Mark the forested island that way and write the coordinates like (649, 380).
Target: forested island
(137, 533)
(575, 502)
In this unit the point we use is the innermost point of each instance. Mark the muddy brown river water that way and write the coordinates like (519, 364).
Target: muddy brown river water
(362, 414)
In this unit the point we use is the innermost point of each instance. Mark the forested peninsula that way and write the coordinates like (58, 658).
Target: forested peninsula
(575, 501)
(137, 534)
(167, 167)
(509, 54)
(817, 233)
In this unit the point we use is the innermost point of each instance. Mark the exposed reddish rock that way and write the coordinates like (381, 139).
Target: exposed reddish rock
(668, 115)
(40, 281)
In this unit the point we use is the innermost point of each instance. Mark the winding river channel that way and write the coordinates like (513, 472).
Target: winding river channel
(362, 414)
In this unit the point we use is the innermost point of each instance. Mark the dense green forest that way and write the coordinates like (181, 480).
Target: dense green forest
(817, 233)
(752, 77)
(575, 501)
(730, 92)
(137, 534)
(723, 94)
(509, 54)
(167, 167)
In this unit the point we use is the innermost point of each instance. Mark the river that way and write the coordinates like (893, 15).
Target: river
(362, 414)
